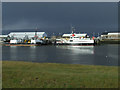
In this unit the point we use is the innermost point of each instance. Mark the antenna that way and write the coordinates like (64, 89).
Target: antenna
(72, 28)
(36, 31)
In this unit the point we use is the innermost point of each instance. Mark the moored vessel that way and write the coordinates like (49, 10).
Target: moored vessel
(75, 39)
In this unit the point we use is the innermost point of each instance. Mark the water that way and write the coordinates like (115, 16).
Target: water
(90, 55)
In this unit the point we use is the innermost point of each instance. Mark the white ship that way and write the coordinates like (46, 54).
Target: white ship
(75, 39)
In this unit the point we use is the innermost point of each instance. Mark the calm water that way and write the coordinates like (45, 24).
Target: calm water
(92, 55)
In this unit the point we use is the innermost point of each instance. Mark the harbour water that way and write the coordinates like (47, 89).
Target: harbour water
(86, 55)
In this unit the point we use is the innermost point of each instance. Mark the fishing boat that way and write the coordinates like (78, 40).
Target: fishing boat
(27, 38)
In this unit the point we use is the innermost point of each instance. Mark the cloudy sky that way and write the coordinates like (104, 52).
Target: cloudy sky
(58, 17)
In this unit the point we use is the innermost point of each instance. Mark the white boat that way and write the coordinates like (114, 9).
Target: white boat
(13, 41)
(31, 41)
(75, 39)
(36, 41)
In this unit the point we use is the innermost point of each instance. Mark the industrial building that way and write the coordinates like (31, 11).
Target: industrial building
(26, 37)
(110, 35)
(3, 37)
(29, 35)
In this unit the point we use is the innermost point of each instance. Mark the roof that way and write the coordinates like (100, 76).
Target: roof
(114, 32)
(105, 33)
(26, 32)
(2, 36)
(65, 35)
(117, 33)
(78, 35)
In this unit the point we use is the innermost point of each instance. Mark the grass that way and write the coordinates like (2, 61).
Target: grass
(18, 74)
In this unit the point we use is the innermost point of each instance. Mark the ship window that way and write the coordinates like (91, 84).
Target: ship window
(71, 40)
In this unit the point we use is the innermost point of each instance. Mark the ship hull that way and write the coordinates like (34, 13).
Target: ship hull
(81, 44)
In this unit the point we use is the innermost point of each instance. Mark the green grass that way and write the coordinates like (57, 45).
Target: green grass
(50, 75)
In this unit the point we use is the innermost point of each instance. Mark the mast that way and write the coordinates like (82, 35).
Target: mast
(73, 29)
(36, 33)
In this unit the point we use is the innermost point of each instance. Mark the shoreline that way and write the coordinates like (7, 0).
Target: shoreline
(100, 42)
(109, 42)
(59, 63)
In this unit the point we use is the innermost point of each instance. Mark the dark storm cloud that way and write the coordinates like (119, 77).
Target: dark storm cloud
(86, 17)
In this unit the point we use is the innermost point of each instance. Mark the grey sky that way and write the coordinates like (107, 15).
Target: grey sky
(59, 0)
(58, 17)
(0, 18)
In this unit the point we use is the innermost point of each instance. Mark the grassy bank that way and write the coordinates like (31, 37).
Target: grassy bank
(47, 75)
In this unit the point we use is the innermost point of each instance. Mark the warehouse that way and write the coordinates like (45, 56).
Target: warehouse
(110, 35)
(29, 35)
(3, 37)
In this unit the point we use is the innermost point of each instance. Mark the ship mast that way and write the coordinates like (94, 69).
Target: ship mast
(73, 29)
(36, 33)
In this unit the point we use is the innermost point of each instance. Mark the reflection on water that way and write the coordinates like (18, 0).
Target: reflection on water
(79, 49)
(13, 50)
(92, 55)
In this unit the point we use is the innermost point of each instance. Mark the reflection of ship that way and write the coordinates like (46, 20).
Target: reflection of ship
(78, 49)
(75, 39)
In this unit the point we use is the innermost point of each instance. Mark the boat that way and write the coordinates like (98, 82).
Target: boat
(23, 42)
(15, 41)
(75, 39)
